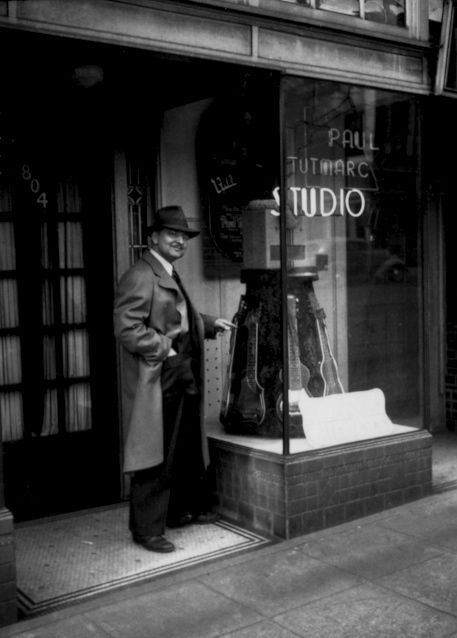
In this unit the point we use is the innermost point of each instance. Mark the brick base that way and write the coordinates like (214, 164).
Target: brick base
(295, 495)
(8, 610)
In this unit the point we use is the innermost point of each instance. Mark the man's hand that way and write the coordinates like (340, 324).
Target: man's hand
(221, 325)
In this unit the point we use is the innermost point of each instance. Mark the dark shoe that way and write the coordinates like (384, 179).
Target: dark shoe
(204, 518)
(155, 543)
(180, 521)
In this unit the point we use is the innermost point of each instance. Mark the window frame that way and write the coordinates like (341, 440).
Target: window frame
(416, 28)
(442, 67)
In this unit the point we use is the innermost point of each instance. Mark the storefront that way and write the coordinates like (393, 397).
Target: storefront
(292, 135)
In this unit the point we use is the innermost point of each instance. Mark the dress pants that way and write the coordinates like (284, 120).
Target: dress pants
(180, 483)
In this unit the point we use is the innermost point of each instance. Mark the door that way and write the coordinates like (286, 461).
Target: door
(58, 402)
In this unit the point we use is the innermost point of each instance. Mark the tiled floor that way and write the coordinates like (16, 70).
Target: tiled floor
(64, 559)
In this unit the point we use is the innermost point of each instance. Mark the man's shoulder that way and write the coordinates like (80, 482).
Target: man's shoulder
(142, 268)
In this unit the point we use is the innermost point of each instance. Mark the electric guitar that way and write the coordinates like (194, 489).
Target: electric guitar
(328, 368)
(249, 404)
(299, 374)
(228, 394)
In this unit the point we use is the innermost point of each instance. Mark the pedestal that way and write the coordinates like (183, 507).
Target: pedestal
(294, 495)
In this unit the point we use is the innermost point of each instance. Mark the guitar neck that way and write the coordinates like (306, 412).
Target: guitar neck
(251, 362)
(328, 364)
(295, 376)
(227, 394)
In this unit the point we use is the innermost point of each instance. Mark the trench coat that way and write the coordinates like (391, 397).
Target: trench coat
(147, 317)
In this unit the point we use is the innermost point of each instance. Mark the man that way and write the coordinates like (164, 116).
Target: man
(166, 451)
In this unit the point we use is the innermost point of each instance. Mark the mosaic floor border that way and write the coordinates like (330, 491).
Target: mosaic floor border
(69, 559)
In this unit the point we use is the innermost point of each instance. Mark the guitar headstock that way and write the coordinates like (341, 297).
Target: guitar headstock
(292, 305)
(240, 314)
(253, 316)
(312, 304)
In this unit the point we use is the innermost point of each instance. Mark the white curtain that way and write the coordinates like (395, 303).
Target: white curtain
(78, 407)
(68, 196)
(75, 353)
(70, 245)
(11, 416)
(73, 299)
(7, 248)
(11, 412)
(6, 205)
(9, 317)
(51, 415)
(47, 303)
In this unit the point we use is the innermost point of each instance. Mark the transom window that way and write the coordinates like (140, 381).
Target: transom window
(383, 11)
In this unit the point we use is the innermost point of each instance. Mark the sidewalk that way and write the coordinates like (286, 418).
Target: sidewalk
(391, 574)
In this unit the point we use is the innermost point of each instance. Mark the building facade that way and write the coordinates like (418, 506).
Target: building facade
(304, 139)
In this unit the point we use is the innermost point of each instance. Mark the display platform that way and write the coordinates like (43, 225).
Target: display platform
(312, 489)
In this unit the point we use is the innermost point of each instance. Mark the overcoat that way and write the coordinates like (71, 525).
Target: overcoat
(147, 317)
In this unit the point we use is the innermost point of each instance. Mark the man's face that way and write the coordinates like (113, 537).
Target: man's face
(170, 244)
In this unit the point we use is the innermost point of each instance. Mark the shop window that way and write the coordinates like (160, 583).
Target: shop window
(383, 11)
(354, 294)
(323, 284)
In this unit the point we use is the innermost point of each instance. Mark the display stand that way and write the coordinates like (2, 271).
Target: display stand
(252, 401)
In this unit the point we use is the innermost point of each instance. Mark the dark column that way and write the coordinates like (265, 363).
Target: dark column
(8, 610)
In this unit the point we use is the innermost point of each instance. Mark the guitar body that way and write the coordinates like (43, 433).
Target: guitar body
(249, 406)
(299, 374)
(249, 401)
(296, 397)
(327, 366)
(327, 381)
(228, 394)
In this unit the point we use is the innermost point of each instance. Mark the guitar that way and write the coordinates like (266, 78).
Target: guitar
(228, 394)
(299, 374)
(327, 366)
(249, 404)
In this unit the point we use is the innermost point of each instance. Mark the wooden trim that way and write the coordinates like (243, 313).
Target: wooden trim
(416, 13)
(233, 37)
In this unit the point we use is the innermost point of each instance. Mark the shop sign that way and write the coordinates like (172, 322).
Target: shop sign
(324, 202)
(321, 196)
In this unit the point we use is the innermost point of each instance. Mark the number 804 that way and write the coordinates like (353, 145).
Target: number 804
(34, 185)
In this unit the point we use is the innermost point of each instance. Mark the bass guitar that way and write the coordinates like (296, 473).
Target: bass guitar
(228, 394)
(327, 366)
(249, 404)
(299, 374)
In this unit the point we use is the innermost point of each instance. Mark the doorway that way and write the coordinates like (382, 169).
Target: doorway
(58, 377)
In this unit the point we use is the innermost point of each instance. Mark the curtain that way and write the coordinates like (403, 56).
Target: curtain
(73, 299)
(68, 196)
(70, 245)
(78, 407)
(9, 317)
(11, 416)
(75, 353)
(7, 248)
(50, 416)
(11, 412)
(11, 401)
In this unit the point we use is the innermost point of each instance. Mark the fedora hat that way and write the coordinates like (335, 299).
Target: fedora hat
(171, 217)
